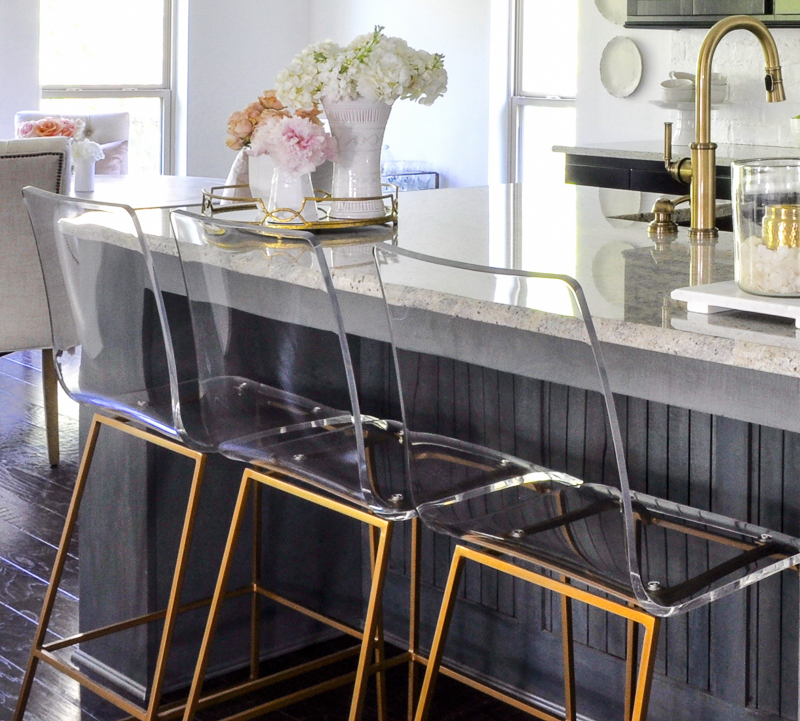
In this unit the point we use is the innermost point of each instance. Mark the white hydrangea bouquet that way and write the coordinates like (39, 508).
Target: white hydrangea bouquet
(372, 66)
(357, 86)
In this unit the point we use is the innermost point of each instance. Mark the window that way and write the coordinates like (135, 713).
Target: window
(545, 77)
(98, 56)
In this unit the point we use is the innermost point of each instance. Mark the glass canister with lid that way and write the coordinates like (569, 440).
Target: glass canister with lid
(766, 224)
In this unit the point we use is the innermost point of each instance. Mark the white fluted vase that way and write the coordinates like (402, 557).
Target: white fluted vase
(358, 126)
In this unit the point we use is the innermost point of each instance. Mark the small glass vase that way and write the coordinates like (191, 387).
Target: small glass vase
(288, 198)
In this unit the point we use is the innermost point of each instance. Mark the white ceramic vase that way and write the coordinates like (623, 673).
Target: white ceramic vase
(259, 175)
(84, 175)
(358, 126)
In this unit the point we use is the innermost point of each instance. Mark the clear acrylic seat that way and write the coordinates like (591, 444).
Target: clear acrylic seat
(600, 533)
(114, 352)
(278, 389)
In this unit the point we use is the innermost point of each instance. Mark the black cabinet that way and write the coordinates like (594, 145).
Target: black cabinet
(648, 176)
(704, 13)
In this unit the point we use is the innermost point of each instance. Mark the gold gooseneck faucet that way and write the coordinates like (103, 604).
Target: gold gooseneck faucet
(702, 172)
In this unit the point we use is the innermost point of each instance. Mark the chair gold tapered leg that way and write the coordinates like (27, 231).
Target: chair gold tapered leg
(50, 392)
(440, 635)
(255, 599)
(216, 601)
(58, 568)
(373, 614)
(177, 585)
(380, 651)
(569, 656)
(413, 615)
(646, 664)
(632, 649)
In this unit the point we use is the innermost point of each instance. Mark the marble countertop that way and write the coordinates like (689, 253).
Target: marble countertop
(654, 150)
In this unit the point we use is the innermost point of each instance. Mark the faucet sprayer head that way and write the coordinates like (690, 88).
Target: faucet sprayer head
(774, 84)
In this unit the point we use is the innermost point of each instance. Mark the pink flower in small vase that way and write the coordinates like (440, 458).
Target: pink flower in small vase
(296, 144)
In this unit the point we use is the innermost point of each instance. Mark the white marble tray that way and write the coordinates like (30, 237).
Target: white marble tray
(716, 297)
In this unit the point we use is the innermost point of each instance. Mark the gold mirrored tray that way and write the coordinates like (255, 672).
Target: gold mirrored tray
(220, 199)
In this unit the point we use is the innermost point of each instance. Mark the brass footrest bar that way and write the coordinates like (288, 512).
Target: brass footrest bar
(338, 625)
(135, 711)
(133, 622)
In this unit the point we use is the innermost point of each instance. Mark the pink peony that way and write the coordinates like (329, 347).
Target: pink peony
(296, 144)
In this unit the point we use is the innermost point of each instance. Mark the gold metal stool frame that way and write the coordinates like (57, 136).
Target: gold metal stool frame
(371, 637)
(637, 683)
(45, 652)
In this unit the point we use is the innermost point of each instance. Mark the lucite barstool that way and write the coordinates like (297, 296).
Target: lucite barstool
(116, 356)
(544, 526)
(279, 391)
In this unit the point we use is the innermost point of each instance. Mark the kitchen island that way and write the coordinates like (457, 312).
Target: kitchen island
(709, 418)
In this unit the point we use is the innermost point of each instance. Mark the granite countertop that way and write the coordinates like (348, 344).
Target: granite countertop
(654, 150)
(559, 228)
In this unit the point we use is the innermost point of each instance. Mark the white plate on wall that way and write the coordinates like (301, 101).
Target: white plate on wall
(614, 10)
(621, 67)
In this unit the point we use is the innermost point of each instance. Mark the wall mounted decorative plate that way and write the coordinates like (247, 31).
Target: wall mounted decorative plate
(614, 10)
(621, 67)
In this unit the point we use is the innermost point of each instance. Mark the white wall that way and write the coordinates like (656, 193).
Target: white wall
(19, 60)
(450, 136)
(236, 48)
(601, 116)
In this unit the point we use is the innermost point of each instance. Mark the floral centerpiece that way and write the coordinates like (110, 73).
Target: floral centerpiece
(357, 85)
(51, 127)
(372, 66)
(295, 143)
(85, 152)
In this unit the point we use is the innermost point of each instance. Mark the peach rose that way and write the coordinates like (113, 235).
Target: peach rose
(49, 127)
(270, 101)
(311, 115)
(240, 126)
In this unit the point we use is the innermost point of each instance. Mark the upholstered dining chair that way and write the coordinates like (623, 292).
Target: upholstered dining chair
(42, 162)
(110, 130)
(542, 525)
(114, 354)
(279, 391)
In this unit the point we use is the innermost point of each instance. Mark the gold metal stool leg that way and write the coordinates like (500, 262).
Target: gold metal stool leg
(58, 568)
(216, 601)
(380, 652)
(647, 662)
(569, 592)
(413, 615)
(255, 598)
(371, 621)
(631, 651)
(569, 656)
(40, 651)
(440, 635)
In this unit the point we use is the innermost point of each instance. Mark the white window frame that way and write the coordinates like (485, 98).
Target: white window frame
(519, 98)
(164, 90)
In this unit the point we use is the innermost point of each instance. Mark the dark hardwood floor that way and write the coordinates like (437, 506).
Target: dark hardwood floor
(33, 501)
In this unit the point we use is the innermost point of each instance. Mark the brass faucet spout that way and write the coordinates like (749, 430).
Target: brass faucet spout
(704, 164)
